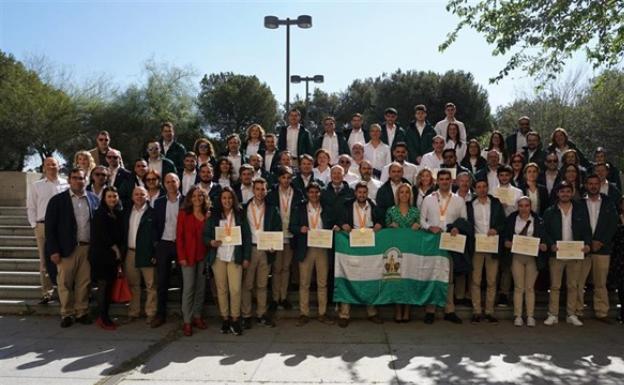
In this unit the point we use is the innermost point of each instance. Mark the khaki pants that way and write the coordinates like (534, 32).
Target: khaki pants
(505, 280)
(450, 302)
(228, 278)
(315, 258)
(345, 311)
(134, 275)
(44, 277)
(463, 286)
(573, 270)
(74, 279)
(598, 264)
(524, 270)
(255, 276)
(281, 273)
(479, 260)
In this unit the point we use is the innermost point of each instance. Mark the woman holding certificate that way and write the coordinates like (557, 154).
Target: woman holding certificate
(191, 252)
(227, 232)
(405, 216)
(310, 224)
(525, 257)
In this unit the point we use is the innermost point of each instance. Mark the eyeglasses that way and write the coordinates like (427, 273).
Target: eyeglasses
(151, 179)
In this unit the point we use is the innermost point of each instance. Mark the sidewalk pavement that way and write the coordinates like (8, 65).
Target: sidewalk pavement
(35, 350)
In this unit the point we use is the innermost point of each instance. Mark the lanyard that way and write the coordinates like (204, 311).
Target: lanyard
(228, 224)
(285, 202)
(314, 219)
(361, 215)
(257, 222)
(443, 208)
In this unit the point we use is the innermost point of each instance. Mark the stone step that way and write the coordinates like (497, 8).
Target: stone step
(29, 252)
(20, 291)
(13, 220)
(19, 278)
(18, 240)
(17, 230)
(19, 264)
(13, 210)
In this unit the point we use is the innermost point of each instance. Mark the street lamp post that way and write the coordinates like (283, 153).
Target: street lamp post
(307, 79)
(273, 22)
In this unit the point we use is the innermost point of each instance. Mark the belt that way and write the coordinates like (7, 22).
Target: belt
(131, 249)
(83, 243)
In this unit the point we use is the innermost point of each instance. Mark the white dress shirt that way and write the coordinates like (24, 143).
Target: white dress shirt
(351, 178)
(378, 156)
(356, 136)
(237, 161)
(365, 213)
(431, 160)
(246, 193)
(442, 125)
(226, 253)
(521, 141)
(268, 159)
(155, 165)
(550, 180)
(292, 137)
(166, 146)
(133, 227)
(492, 177)
(171, 219)
(409, 172)
(481, 215)
(330, 144)
(373, 185)
(39, 195)
(459, 151)
(112, 175)
(252, 148)
(312, 213)
(391, 131)
(188, 181)
(285, 198)
(593, 206)
(520, 223)
(323, 176)
(434, 203)
(566, 225)
(252, 209)
(224, 182)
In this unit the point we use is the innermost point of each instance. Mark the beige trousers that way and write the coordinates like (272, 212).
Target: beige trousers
(44, 277)
(572, 269)
(134, 275)
(479, 261)
(255, 276)
(315, 258)
(598, 264)
(228, 279)
(74, 280)
(524, 270)
(345, 311)
(281, 273)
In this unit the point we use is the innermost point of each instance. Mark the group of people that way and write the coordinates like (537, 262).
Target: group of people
(172, 207)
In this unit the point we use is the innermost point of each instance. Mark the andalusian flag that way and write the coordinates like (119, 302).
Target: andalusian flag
(405, 266)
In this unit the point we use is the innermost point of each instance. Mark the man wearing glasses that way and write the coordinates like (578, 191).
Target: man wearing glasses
(157, 161)
(67, 236)
(117, 175)
(101, 149)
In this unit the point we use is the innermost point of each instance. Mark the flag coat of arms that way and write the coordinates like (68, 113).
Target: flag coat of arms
(404, 266)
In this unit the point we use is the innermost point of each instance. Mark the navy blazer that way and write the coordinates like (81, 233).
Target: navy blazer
(122, 176)
(160, 214)
(304, 140)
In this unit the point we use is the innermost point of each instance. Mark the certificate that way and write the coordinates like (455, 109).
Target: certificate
(505, 195)
(486, 244)
(524, 245)
(452, 243)
(570, 250)
(234, 238)
(362, 238)
(320, 238)
(270, 240)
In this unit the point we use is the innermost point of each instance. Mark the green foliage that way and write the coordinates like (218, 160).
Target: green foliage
(229, 103)
(34, 117)
(541, 35)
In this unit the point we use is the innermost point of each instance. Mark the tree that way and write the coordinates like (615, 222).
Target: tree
(542, 35)
(321, 104)
(34, 117)
(230, 102)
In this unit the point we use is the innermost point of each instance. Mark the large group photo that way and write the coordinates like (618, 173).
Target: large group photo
(413, 211)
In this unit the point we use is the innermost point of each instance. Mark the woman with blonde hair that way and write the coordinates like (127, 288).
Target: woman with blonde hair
(254, 140)
(205, 152)
(424, 184)
(84, 161)
(403, 215)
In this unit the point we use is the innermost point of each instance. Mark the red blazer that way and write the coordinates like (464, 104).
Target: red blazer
(189, 242)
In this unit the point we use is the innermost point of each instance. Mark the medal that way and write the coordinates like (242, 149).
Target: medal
(228, 239)
(362, 230)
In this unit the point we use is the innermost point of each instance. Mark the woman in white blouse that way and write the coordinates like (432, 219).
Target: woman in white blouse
(375, 151)
(453, 140)
(322, 170)
(254, 140)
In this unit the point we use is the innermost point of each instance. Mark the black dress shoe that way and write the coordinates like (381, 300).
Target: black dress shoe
(272, 306)
(265, 320)
(67, 322)
(247, 323)
(429, 318)
(452, 317)
(475, 319)
(286, 305)
(491, 319)
(225, 327)
(85, 320)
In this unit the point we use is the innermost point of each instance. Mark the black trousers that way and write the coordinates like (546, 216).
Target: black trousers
(165, 253)
(105, 287)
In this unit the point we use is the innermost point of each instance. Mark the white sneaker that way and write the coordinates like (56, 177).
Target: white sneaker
(531, 322)
(572, 319)
(518, 321)
(551, 320)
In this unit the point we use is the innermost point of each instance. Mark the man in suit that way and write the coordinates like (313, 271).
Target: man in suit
(518, 140)
(387, 191)
(67, 235)
(244, 187)
(206, 183)
(117, 174)
(189, 176)
(449, 162)
(356, 133)
(294, 137)
(359, 213)
(607, 187)
(330, 141)
(305, 174)
(533, 151)
(391, 132)
(166, 210)
(419, 135)
(255, 161)
(269, 153)
(157, 161)
(567, 220)
(139, 170)
(603, 221)
(337, 191)
(261, 216)
(171, 148)
(101, 149)
(600, 156)
(234, 154)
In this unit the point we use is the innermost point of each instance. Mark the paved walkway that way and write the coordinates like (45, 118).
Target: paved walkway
(36, 350)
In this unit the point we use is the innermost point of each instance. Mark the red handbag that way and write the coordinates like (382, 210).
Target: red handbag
(121, 291)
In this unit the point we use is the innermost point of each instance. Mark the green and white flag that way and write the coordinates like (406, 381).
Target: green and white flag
(405, 266)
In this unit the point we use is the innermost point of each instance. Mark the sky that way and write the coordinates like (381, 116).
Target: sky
(348, 40)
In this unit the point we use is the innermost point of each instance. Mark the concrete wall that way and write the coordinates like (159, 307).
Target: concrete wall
(14, 187)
